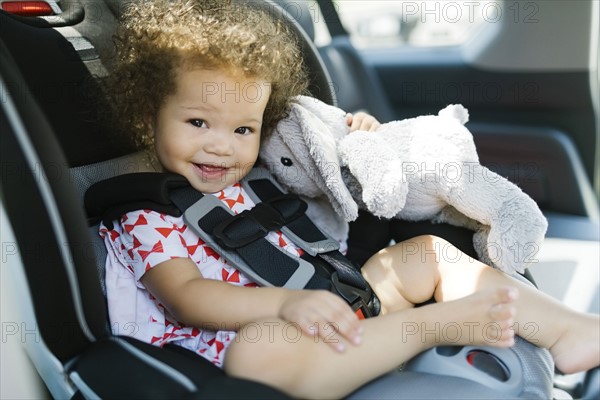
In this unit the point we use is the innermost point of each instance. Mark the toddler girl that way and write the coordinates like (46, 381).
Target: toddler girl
(200, 83)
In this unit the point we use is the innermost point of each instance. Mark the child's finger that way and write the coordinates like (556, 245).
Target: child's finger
(369, 123)
(329, 335)
(341, 320)
(349, 118)
(357, 121)
(338, 339)
(362, 121)
(373, 126)
(350, 330)
(324, 332)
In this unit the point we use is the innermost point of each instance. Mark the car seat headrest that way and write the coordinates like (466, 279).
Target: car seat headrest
(300, 11)
(63, 87)
(320, 85)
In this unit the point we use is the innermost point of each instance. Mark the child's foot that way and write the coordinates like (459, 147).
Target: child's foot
(578, 349)
(488, 315)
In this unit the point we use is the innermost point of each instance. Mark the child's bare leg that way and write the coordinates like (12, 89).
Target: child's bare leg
(277, 353)
(424, 267)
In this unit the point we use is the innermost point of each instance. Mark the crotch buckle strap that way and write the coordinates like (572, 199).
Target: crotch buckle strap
(363, 301)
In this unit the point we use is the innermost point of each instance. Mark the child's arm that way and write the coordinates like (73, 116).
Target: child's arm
(362, 121)
(211, 304)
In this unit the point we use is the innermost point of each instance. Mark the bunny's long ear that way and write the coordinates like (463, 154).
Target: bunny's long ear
(317, 153)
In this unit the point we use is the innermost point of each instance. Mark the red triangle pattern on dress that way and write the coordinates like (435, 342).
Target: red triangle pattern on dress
(140, 221)
(211, 253)
(230, 277)
(229, 200)
(157, 248)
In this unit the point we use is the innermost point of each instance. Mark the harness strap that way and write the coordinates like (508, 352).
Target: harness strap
(217, 226)
(346, 279)
(303, 232)
(241, 239)
(110, 199)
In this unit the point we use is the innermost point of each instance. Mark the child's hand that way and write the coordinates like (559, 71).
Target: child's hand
(362, 121)
(324, 316)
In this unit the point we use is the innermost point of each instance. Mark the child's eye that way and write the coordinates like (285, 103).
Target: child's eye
(244, 130)
(198, 123)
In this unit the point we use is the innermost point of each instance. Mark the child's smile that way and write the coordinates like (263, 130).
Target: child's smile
(209, 129)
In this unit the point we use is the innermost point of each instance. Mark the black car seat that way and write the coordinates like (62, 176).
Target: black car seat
(54, 144)
(50, 126)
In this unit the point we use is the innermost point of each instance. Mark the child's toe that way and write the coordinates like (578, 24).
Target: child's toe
(507, 294)
(502, 313)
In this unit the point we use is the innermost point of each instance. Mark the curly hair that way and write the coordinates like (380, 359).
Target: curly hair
(157, 37)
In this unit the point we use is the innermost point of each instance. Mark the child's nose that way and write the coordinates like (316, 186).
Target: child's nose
(219, 143)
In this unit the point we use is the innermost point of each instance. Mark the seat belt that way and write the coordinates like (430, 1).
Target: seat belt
(241, 239)
(332, 18)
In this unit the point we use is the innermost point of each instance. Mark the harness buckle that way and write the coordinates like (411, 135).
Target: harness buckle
(198, 217)
(256, 223)
(256, 179)
(362, 301)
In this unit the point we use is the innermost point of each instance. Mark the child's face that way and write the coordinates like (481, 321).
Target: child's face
(209, 129)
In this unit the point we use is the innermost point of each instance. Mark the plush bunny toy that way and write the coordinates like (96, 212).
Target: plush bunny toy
(423, 168)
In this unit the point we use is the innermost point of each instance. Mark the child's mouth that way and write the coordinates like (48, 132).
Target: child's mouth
(211, 171)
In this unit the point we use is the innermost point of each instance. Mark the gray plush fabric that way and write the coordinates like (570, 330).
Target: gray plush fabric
(423, 168)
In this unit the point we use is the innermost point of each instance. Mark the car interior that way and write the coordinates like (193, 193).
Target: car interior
(535, 118)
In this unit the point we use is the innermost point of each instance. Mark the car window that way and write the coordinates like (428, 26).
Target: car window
(384, 23)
